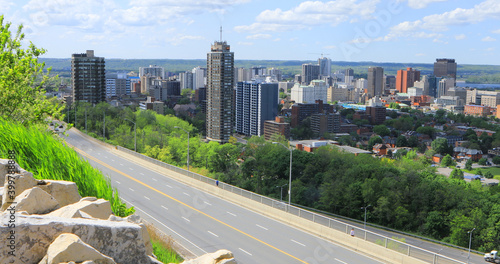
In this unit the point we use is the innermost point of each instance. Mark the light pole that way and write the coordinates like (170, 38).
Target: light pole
(281, 191)
(470, 240)
(290, 179)
(135, 134)
(188, 145)
(366, 207)
(85, 120)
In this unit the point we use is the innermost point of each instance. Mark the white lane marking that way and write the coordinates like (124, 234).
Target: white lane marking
(261, 227)
(154, 179)
(141, 173)
(171, 230)
(186, 219)
(340, 261)
(213, 234)
(121, 164)
(207, 203)
(131, 189)
(186, 194)
(105, 157)
(298, 243)
(147, 197)
(231, 213)
(98, 153)
(168, 186)
(164, 207)
(131, 169)
(244, 251)
(118, 182)
(112, 160)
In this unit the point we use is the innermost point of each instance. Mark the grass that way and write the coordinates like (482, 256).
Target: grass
(42, 153)
(162, 246)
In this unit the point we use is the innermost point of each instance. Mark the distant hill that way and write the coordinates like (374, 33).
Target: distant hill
(289, 67)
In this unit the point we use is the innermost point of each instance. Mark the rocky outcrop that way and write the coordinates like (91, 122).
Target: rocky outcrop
(91, 206)
(69, 247)
(64, 192)
(219, 257)
(45, 203)
(22, 181)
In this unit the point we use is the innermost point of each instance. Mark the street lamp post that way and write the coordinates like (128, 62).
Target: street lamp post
(366, 207)
(290, 178)
(470, 240)
(188, 145)
(135, 134)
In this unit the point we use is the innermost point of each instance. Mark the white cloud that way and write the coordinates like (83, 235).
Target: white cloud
(420, 54)
(418, 4)
(496, 31)
(460, 37)
(488, 39)
(489, 9)
(259, 36)
(310, 13)
(276, 39)
(6, 4)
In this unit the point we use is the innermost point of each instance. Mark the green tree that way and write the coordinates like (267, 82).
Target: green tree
(447, 161)
(22, 97)
(401, 141)
(496, 160)
(413, 142)
(488, 175)
(381, 130)
(426, 130)
(457, 174)
(440, 145)
(468, 164)
(374, 140)
(482, 161)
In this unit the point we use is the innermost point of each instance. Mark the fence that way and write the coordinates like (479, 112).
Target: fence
(386, 242)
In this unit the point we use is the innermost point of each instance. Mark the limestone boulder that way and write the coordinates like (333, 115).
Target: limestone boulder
(21, 182)
(121, 241)
(65, 192)
(35, 201)
(95, 208)
(135, 219)
(4, 169)
(219, 257)
(69, 247)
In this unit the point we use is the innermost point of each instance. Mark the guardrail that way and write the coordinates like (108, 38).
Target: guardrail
(369, 236)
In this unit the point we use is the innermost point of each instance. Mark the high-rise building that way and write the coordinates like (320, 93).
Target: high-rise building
(309, 72)
(255, 103)
(349, 75)
(375, 81)
(444, 85)
(199, 77)
(445, 68)
(117, 84)
(406, 78)
(434, 85)
(423, 84)
(325, 66)
(317, 90)
(220, 82)
(88, 77)
(152, 70)
(389, 83)
(187, 80)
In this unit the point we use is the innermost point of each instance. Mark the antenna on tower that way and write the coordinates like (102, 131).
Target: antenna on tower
(220, 33)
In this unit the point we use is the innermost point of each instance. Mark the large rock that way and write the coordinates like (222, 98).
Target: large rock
(135, 219)
(121, 241)
(219, 257)
(65, 192)
(96, 208)
(69, 247)
(21, 182)
(3, 169)
(35, 201)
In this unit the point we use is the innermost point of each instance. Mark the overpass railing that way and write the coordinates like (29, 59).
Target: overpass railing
(383, 241)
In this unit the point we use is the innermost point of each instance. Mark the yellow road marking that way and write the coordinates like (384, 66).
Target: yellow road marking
(188, 206)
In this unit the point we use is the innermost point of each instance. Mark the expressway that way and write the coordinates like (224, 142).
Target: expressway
(204, 223)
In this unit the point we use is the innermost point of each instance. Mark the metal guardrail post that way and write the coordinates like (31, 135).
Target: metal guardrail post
(386, 242)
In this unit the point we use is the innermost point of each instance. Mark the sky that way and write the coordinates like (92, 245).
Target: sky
(403, 31)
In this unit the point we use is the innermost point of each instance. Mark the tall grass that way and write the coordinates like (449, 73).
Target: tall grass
(42, 153)
(162, 246)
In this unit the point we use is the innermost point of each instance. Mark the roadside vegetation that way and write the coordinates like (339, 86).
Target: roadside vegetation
(163, 246)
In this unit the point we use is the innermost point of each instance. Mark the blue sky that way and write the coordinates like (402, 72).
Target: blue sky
(417, 31)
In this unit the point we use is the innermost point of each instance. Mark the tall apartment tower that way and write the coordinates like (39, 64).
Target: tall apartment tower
(325, 66)
(349, 75)
(152, 70)
(445, 68)
(309, 72)
(88, 77)
(375, 85)
(406, 78)
(220, 82)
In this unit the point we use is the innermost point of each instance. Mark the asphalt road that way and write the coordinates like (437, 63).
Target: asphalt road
(204, 223)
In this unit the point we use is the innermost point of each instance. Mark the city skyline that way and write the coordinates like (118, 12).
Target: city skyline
(404, 31)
